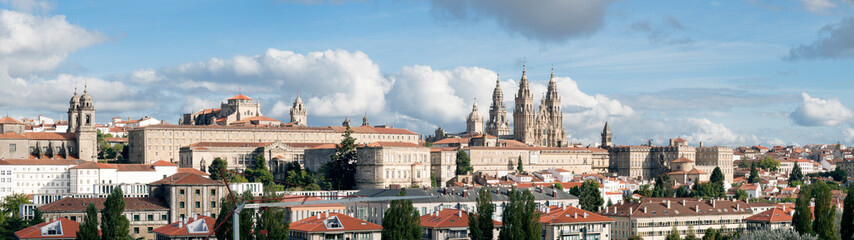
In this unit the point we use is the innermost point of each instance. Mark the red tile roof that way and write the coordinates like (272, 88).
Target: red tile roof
(11, 135)
(192, 171)
(186, 179)
(394, 144)
(240, 97)
(173, 230)
(451, 140)
(39, 162)
(69, 230)
(71, 204)
(570, 214)
(371, 129)
(162, 163)
(348, 223)
(94, 165)
(230, 144)
(49, 136)
(9, 120)
(682, 160)
(448, 218)
(776, 214)
(116, 140)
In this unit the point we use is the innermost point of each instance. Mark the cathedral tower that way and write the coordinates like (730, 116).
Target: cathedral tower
(606, 137)
(497, 125)
(299, 115)
(474, 124)
(86, 133)
(73, 105)
(524, 117)
(554, 134)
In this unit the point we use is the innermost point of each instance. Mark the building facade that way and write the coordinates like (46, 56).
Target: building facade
(235, 109)
(654, 218)
(567, 222)
(144, 214)
(645, 162)
(187, 195)
(498, 125)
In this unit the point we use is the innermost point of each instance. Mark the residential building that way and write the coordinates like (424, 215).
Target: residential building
(654, 218)
(774, 218)
(192, 228)
(188, 194)
(645, 162)
(443, 164)
(59, 229)
(333, 226)
(567, 222)
(144, 214)
(449, 224)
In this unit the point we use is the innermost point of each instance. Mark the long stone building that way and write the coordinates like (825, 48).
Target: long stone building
(645, 162)
(654, 218)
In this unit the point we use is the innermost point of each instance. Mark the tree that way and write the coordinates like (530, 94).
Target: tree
(520, 220)
(847, 225)
(711, 234)
(245, 217)
(673, 235)
(463, 163)
(590, 198)
(741, 195)
(114, 224)
(717, 176)
(224, 218)
(217, 165)
(89, 227)
(635, 237)
(768, 163)
(558, 186)
(341, 171)
(401, 220)
(802, 220)
(575, 191)
(271, 224)
(663, 186)
(690, 235)
(775, 234)
(433, 181)
(12, 225)
(260, 173)
(12, 203)
(796, 175)
(610, 203)
(683, 192)
(37, 217)
(824, 211)
(754, 174)
(480, 225)
(644, 190)
(519, 165)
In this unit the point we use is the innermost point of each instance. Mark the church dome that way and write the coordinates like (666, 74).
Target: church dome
(75, 100)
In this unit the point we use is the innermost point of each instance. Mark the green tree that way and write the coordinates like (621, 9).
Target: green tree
(245, 217)
(741, 195)
(717, 176)
(690, 235)
(341, 171)
(796, 175)
(519, 165)
(711, 234)
(433, 181)
(401, 220)
(89, 227)
(754, 174)
(114, 224)
(480, 225)
(663, 186)
(575, 191)
(260, 173)
(802, 220)
(217, 166)
(775, 234)
(590, 198)
(271, 224)
(463, 163)
(224, 218)
(520, 220)
(768, 163)
(824, 211)
(644, 190)
(847, 224)
(558, 186)
(37, 217)
(12, 225)
(635, 237)
(12, 203)
(683, 191)
(673, 235)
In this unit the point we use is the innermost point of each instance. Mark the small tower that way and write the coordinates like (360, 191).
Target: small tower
(299, 115)
(73, 105)
(524, 116)
(365, 120)
(474, 123)
(606, 137)
(346, 122)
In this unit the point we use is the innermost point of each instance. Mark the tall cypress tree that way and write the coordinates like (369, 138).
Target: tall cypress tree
(341, 171)
(824, 211)
(114, 224)
(245, 217)
(401, 220)
(754, 174)
(89, 227)
(37, 217)
(480, 225)
(847, 225)
(717, 176)
(796, 176)
(519, 167)
(520, 220)
(802, 220)
(463, 163)
(590, 198)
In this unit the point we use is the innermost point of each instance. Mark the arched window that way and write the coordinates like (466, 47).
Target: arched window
(88, 119)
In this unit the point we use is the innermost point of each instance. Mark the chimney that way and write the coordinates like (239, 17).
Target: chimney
(180, 223)
(697, 208)
(713, 203)
(644, 209)
(564, 207)
(683, 202)
(737, 206)
(630, 210)
(460, 213)
(784, 208)
(575, 215)
(606, 209)
(668, 204)
(327, 214)
(318, 216)
(585, 214)
(701, 144)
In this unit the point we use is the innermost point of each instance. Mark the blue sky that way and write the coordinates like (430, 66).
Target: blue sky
(723, 72)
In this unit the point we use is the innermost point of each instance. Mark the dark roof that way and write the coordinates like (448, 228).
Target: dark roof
(657, 207)
(78, 205)
(455, 194)
(186, 178)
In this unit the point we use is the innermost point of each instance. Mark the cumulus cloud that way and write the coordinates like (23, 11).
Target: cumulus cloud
(820, 112)
(441, 96)
(837, 42)
(547, 21)
(29, 5)
(818, 6)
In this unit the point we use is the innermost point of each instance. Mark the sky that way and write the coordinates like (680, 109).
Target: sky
(729, 73)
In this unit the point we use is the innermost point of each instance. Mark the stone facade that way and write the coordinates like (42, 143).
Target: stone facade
(500, 161)
(474, 123)
(299, 115)
(143, 214)
(443, 164)
(646, 162)
(241, 155)
(237, 108)
(544, 128)
(188, 194)
(498, 125)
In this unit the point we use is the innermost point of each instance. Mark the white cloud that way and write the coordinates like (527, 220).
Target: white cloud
(441, 96)
(821, 112)
(818, 6)
(145, 76)
(30, 43)
(193, 104)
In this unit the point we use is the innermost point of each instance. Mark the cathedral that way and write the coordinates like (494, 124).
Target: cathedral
(536, 128)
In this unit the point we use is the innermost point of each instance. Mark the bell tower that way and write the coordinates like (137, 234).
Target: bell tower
(86, 133)
(299, 115)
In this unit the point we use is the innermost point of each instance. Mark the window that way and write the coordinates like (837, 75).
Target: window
(163, 217)
(150, 217)
(181, 205)
(213, 215)
(198, 192)
(13, 147)
(213, 204)
(150, 229)
(181, 191)
(198, 204)
(136, 230)
(136, 218)
(213, 192)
